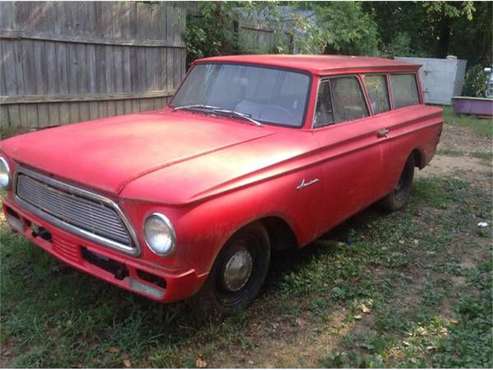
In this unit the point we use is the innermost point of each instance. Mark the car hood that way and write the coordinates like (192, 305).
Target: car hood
(107, 154)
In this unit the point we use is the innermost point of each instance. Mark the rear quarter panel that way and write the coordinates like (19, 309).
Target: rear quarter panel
(415, 127)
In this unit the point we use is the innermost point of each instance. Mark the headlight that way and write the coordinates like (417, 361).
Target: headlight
(4, 174)
(159, 234)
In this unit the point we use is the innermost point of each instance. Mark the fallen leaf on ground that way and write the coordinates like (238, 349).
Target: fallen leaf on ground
(200, 363)
(113, 350)
(127, 363)
(365, 309)
(300, 322)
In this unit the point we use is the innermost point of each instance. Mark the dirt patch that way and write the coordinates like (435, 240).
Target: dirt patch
(6, 353)
(300, 347)
(463, 143)
(464, 140)
(470, 169)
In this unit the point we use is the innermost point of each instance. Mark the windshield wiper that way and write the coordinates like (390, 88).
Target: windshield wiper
(237, 114)
(219, 110)
(195, 106)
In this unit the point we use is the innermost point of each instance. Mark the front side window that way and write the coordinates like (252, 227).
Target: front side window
(348, 99)
(339, 99)
(404, 90)
(267, 95)
(377, 92)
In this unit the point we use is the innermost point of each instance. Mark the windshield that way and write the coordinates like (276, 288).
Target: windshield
(264, 94)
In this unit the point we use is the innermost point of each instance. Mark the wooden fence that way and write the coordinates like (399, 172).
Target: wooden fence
(66, 62)
(259, 38)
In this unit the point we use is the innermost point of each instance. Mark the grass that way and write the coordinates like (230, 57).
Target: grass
(409, 289)
(486, 156)
(384, 292)
(482, 127)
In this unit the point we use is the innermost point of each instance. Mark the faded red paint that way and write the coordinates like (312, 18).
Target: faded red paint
(213, 175)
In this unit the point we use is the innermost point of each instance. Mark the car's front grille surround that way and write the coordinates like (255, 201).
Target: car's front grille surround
(82, 212)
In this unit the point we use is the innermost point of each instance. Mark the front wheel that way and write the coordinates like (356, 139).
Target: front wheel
(238, 273)
(400, 195)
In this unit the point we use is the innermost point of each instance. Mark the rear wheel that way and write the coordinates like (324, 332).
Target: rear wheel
(400, 195)
(238, 273)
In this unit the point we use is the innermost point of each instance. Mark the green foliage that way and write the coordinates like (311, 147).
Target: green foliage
(475, 82)
(435, 29)
(339, 27)
(212, 32)
(441, 9)
(266, 16)
(400, 45)
(423, 29)
(473, 40)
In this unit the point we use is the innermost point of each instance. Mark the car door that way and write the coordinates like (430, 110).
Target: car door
(379, 101)
(405, 128)
(350, 148)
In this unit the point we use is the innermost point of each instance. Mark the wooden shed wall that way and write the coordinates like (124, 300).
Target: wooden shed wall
(65, 62)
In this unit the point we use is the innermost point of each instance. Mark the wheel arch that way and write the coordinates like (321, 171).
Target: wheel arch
(419, 157)
(281, 234)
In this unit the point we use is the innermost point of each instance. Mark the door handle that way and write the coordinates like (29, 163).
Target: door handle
(384, 132)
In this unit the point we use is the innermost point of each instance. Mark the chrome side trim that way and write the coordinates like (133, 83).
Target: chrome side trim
(133, 250)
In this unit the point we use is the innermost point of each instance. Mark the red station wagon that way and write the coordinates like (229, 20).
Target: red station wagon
(255, 153)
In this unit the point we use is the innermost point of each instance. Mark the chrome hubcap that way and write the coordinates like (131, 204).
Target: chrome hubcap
(238, 270)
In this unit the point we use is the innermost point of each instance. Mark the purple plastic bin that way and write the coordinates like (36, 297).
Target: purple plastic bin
(470, 105)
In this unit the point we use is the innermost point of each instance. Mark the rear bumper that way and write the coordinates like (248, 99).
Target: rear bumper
(133, 274)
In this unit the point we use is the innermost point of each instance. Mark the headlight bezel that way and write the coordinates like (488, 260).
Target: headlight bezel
(5, 163)
(171, 234)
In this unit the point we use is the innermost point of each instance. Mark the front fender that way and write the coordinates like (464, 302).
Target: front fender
(203, 229)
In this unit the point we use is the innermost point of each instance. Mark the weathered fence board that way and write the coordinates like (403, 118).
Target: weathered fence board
(66, 62)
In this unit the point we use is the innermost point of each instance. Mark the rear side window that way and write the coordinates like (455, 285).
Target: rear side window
(378, 93)
(404, 90)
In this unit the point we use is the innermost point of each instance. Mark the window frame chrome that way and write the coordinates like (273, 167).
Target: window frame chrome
(322, 79)
(133, 249)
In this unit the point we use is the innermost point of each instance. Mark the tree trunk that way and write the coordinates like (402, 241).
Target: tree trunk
(443, 43)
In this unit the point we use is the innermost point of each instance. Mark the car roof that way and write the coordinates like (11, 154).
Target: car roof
(318, 64)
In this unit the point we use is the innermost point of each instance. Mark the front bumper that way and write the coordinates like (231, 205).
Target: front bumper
(131, 273)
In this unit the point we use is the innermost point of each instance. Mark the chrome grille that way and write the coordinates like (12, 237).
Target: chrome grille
(87, 214)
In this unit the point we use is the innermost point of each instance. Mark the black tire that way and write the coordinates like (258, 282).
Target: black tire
(216, 297)
(400, 195)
